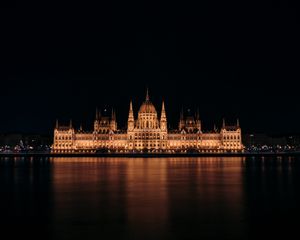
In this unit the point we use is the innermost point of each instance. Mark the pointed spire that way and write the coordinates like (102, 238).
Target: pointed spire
(113, 123)
(112, 113)
(97, 114)
(56, 124)
(223, 125)
(197, 114)
(181, 114)
(215, 128)
(130, 106)
(130, 115)
(238, 123)
(71, 124)
(147, 94)
(130, 123)
(163, 111)
(181, 120)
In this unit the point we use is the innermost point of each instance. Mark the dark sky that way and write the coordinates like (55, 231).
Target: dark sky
(228, 63)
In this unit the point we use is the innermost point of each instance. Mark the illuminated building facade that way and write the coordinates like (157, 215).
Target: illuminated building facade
(147, 133)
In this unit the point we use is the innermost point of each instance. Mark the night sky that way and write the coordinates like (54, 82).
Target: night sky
(230, 64)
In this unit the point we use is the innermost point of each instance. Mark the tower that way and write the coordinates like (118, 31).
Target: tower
(130, 123)
(163, 118)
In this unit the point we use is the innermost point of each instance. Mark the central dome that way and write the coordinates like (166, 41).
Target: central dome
(147, 106)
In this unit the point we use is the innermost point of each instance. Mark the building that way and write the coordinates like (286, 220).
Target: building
(147, 133)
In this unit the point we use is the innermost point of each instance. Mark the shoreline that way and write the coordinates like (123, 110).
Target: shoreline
(148, 155)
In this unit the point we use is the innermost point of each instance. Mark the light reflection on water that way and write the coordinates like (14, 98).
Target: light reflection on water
(154, 198)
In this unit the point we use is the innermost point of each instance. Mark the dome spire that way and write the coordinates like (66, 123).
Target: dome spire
(147, 94)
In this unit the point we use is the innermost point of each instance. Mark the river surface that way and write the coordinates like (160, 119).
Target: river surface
(150, 198)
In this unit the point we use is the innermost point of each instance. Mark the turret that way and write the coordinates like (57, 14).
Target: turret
(113, 122)
(198, 121)
(181, 120)
(96, 122)
(215, 128)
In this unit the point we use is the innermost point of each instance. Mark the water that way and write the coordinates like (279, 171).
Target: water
(155, 198)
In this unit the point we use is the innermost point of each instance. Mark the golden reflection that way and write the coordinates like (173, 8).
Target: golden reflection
(147, 197)
(148, 191)
(214, 178)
